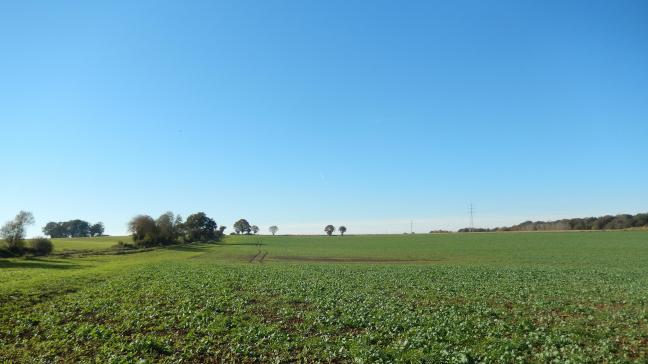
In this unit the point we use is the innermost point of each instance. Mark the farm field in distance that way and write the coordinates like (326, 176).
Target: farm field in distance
(85, 244)
(491, 297)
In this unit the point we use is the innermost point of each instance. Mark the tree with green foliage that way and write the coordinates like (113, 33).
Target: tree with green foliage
(607, 222)
(77, 228)
(273, 229)
(342, 229)
(640, 220)
(242, 226)
(199, 227)
(255, 229)
(168, 228)
(97, 229)
(13, 232)
(329, 229)
(54, 230)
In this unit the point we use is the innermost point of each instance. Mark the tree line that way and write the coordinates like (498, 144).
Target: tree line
(171, 229)
(330, 229)
(73, 229)
(145, 231)
(607, 222)
(242, 226)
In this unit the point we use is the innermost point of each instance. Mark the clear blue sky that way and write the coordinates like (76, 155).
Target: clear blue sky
(303, 113)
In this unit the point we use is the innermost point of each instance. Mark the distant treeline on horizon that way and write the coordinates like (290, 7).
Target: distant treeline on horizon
(607, 222)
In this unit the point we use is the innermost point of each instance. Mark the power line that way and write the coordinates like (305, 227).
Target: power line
(472, 219)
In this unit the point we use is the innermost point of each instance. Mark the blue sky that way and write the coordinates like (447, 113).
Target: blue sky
(304, 113)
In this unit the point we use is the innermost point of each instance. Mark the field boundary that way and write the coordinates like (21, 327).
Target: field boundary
(350, 260)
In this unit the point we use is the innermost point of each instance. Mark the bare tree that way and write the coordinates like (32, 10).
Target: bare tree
(13, 232)
(255, 229)
(273, 229)
(143, 229)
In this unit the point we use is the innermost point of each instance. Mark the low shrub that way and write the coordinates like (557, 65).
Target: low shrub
(41, 246)
(121, 245)
(5, 253)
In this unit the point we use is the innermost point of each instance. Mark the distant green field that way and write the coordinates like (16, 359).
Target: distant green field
(492, 297)
(97, 243)
(577, 249)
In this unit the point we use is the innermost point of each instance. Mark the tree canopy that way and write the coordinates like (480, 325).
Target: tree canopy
(607, 222)
(199, 227)
(242, 226)
(97, 229)
(169, 229)
(329, 230)
(76, 228)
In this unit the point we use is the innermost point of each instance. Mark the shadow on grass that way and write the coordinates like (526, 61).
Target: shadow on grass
(235, 244)
(36, 263)
(205, 246)
(190, 247)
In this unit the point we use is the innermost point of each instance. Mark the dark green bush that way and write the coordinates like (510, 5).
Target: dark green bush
(41, 246)
(5, 253)
(121, 246)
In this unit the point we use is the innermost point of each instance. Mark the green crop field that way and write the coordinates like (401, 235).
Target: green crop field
(492, 297)
(84, 244)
